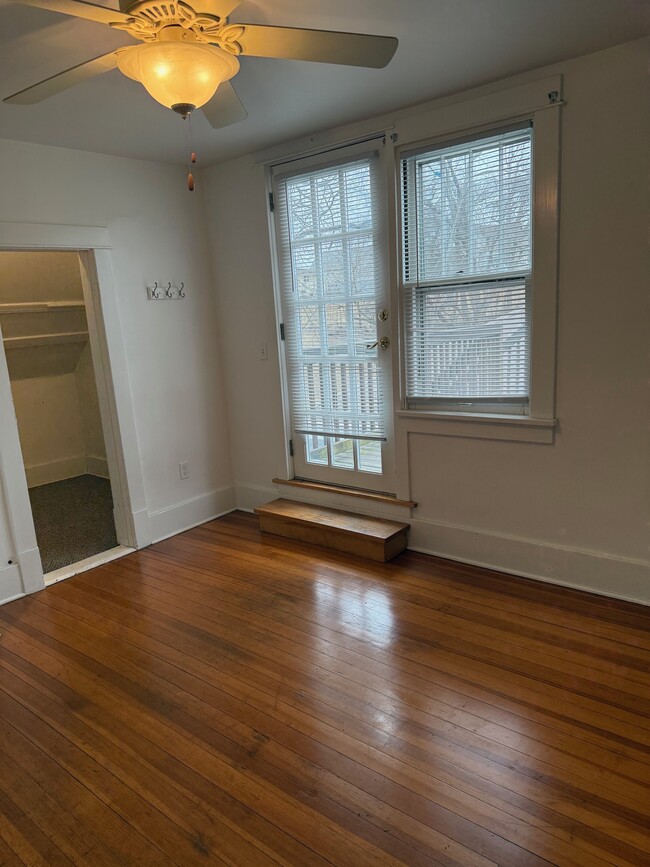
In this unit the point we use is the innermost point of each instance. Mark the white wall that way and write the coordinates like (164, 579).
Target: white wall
(43, 276)
(50, 428)
(576, 511)
(157, 231)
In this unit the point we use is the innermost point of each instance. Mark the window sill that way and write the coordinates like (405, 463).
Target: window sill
(383, 499)
(495, 426)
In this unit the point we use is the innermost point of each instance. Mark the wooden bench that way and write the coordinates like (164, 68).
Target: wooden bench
(374, 538)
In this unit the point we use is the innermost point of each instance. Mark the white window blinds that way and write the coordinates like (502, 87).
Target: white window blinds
(466, 231)
(330, 268)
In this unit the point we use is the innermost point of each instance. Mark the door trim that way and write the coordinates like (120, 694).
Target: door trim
(93, 244)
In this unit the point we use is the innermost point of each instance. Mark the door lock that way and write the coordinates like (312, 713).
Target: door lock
(382, 315)
(382, 343)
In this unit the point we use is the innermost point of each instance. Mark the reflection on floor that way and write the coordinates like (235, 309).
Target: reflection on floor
(73, 520)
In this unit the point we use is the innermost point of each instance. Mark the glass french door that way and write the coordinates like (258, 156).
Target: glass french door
(331, 228)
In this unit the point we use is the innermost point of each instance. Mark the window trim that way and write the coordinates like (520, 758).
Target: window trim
(545, 119)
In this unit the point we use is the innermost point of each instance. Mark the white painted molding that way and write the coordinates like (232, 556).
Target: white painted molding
(113, 389)
(593, 571)
(55, 471)
(97, 466)
(248, 497)
(11, 585)
(43, 236)
(523, 94)
(493, 427)
(190, 513)
(474, 108)
(142, 530)
(15, 496)
(31, 570)
(114, 393)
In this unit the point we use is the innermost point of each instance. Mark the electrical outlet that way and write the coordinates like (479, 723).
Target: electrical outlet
(264, 351)
(184, 470)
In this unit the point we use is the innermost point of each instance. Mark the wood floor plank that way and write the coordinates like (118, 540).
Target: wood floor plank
(574, 609)
(8, 857)
(231, 758)
(230, 816)
(578, 796)
(185, 711)
(68, 834)
(236, 599)
(483, 710)
(572, 766)
(454, 622)
(324, 712)
(224, 697)
(418, 677)
(614, 717)
(446, 715)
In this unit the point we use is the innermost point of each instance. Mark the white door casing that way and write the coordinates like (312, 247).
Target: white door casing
(116, 408)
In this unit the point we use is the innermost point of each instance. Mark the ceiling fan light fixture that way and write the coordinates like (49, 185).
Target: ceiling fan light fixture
(178, 73)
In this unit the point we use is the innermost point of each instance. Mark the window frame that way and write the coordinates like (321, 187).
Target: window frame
(418, 290)
(540, 417)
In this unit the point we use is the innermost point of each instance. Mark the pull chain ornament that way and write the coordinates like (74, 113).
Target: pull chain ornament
(191, 155)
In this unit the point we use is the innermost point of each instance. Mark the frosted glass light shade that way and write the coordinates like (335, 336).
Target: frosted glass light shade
(178, 73)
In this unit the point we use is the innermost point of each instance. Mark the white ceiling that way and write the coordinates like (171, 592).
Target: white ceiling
(444, 46)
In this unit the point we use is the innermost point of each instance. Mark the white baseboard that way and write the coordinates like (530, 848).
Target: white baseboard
(11, 585)
(31, 570)
(248, 497)
(183, 516)
(55, 471)
(66, 468)
(593, 571)
(96, 466)
(141, 530)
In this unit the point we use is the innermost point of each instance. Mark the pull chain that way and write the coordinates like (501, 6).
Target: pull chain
(191, 156)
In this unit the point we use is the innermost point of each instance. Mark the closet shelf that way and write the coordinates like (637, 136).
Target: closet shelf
(45, 339)
(40, 306)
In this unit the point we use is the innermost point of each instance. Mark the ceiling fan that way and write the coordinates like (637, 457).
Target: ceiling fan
(188, 55)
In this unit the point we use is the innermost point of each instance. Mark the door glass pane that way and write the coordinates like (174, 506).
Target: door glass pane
(316, 448)
(369, 456)
(342, 453)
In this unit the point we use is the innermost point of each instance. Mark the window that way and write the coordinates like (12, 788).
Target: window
(466, 269)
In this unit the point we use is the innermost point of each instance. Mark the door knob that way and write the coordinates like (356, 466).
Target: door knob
(382, 343)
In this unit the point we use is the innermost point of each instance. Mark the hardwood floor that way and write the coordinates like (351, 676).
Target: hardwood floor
(228, 698)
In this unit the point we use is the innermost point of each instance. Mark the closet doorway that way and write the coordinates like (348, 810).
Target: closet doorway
(51, 363)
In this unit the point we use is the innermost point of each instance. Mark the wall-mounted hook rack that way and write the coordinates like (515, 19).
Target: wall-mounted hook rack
(166, 290)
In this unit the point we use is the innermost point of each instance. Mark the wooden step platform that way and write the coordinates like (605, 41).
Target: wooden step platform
(374, 538)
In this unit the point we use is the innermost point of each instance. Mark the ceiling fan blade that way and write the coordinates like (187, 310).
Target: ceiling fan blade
(63, 80)
(325, 46)
(220, 8)
(79, 9)
(225, 107)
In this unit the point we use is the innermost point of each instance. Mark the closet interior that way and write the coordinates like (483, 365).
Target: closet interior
(45, 337)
